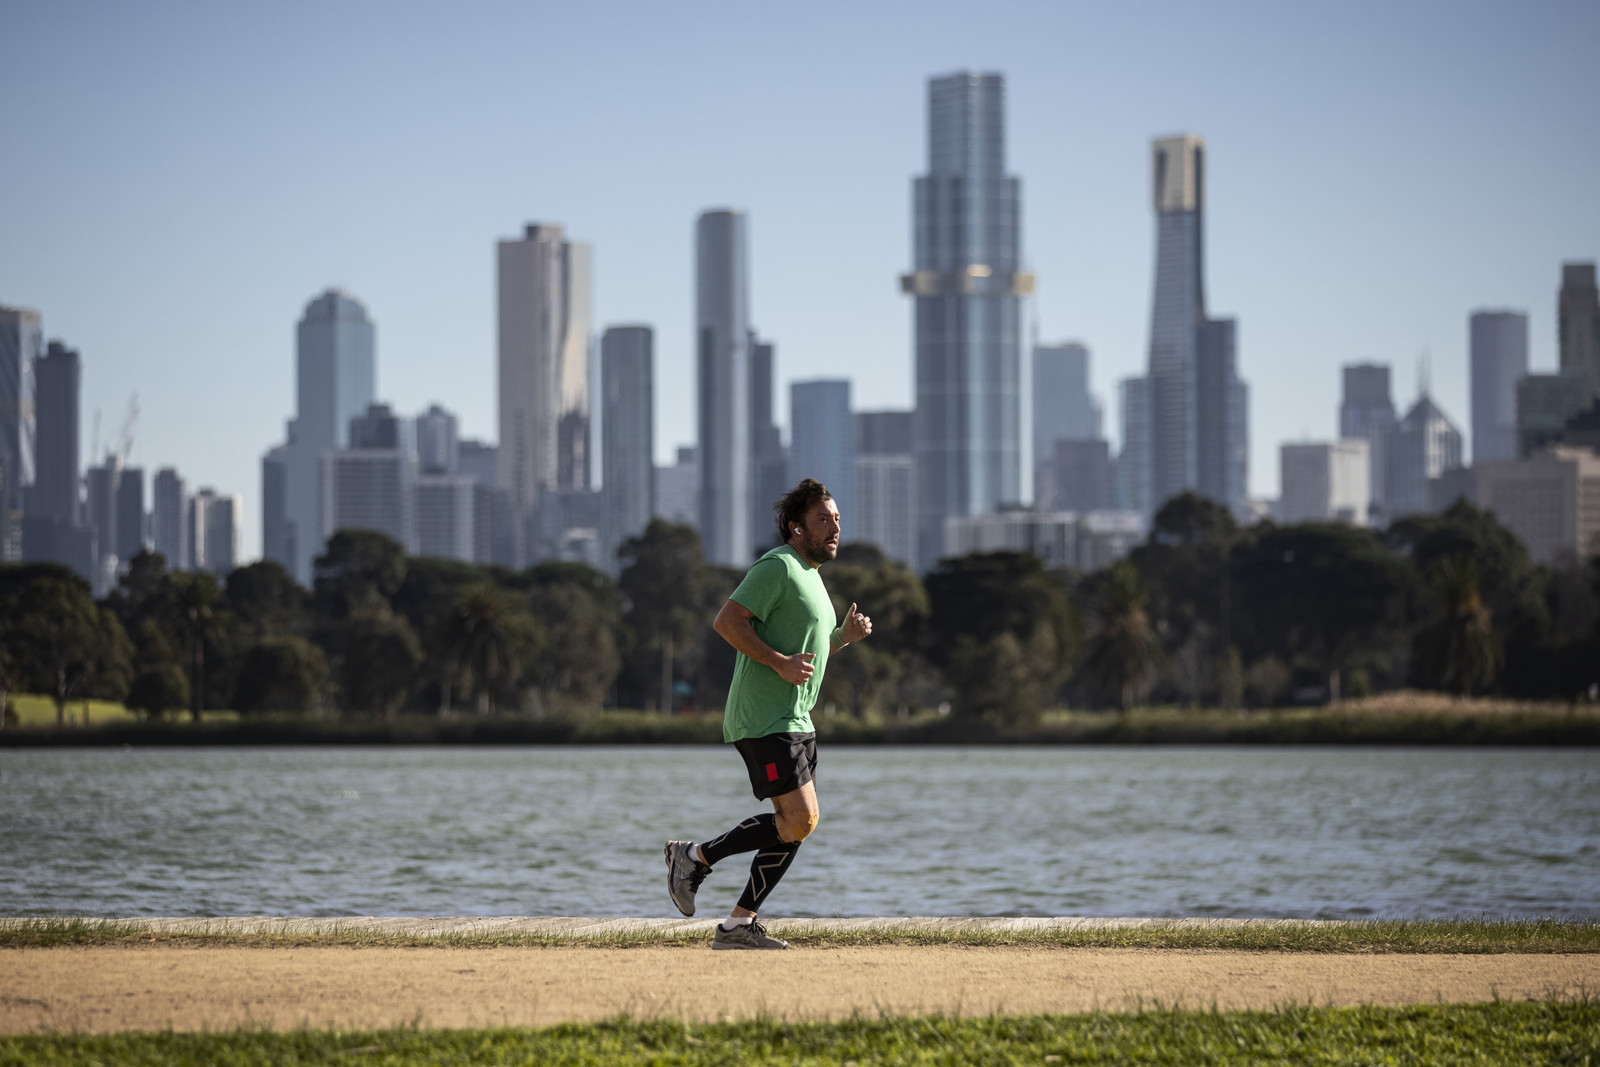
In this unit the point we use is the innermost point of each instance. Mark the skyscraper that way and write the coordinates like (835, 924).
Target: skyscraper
(627, 427)
(335, 380)
(130, 513)
(1578, 326)
(769, 460)
(1499, 357)
(20, 348)
(437, 445)
(1325, 482)
(55, 488)
(1367, 411)
(822, 440)
(1197, 422)
(371, 485)
(544, 292)
(967, 283)
(168, 531)
(214, 523)
(1063, 409)
(1133, 461)
(100, 514)
(1424, 445)
(722, 339)
(884, 513)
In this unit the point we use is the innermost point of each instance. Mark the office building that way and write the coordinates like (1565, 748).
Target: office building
(437, 446)
(545, 286)
(1499, 359)
(1076, 476)
(1424, 445)
(967, 285)
(21, 345)
(57, 382)
(215, 520)
(1133, 460)
(478, 461)
(1063, 408)
(1578, 327)
(1084, 542)
(884, 511)
(677, 489)
(453, 517)
(169, 530)
(1222, 419)
(371, 484)
(100, 515)
(131, 535)
(822, 440)
(1545, 404)
(627, 425)
(335, 380)
(1550, 501)
(1325, 482)
(722, 340)
(1366, 411)
(769, 460)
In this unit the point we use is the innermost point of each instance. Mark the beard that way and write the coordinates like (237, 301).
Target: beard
(818, 550)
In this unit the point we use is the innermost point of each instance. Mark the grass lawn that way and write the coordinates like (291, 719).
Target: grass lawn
(1502, 1032)
(36, 709)
(1380, 935)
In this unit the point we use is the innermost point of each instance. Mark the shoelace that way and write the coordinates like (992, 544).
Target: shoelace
(697, 874)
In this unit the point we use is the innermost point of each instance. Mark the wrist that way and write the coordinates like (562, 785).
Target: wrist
(838, 637)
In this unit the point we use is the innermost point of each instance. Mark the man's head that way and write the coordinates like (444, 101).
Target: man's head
(808, 519)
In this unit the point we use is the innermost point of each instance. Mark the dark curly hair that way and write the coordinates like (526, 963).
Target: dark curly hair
(793, 507)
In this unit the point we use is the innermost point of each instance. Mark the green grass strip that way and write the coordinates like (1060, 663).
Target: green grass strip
(1539, 1032)
(1376, 936)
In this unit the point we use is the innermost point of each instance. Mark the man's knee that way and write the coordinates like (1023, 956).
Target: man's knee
(796, 826)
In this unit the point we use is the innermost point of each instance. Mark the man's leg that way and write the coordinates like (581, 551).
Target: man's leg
(795, 815)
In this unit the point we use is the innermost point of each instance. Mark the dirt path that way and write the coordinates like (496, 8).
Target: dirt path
(157, 987)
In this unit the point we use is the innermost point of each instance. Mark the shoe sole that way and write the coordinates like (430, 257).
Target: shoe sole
(721, 946)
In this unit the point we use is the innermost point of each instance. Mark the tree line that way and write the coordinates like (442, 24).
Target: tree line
(1204, 612)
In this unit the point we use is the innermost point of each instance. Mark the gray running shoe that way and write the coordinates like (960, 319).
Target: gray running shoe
(684, 875)
(747, 935)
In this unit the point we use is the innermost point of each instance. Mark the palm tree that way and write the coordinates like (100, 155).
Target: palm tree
(489, 634)
(195, 611)
(1458, 651)
(1123, 654)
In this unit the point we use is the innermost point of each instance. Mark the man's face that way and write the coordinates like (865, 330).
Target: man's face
(818, 539)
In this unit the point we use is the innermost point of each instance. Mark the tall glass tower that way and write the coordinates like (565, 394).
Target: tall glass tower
(722, 347)
(967, 284)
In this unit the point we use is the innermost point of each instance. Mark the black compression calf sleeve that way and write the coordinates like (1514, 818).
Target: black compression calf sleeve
(765, 870)
(756, 832)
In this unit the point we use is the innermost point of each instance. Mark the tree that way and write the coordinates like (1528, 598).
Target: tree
(578, 613)
(360, 571)
(59, 627)
(868, 676)
(1458, 651)
(1003, 631)
(195, 613)
(381, 655)
(280, 672)
(1123, 653)
(265, 599)
(159, 683)
(486, 633)
(670, 595)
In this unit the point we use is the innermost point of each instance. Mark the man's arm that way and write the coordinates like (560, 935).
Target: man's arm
(733, 623)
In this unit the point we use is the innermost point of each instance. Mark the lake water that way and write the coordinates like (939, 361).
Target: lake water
(1306, 832)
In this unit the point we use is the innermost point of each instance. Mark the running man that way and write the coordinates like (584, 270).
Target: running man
(782, 624)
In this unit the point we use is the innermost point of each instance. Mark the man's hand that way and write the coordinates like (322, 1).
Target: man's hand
(796, 669)
(856, 626)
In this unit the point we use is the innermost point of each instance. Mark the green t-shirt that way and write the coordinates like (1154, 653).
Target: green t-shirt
(793, 614)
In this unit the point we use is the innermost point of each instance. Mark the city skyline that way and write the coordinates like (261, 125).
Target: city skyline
(130, 214)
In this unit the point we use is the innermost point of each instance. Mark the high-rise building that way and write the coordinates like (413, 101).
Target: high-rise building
(1545, 403)
(769, 460)
(1078, 476)
(1325, 482)
(335, 380)
(627, 427)
(722, 341)
(478, 460)
(1197, 422)
(20, 348)
(1133, 461)
(437, 445)
(544, 293)
(967, 285)
(883, 511)
(1063, 408)
(1222, 419)
(1424, 446)
(371, 485)
(1499, 357)
(130, 513)
(1367, 411)
(1550, 501)
(677, 489)
(215, 520)
(822, 440)
(100, 515)
(1578, 326)
(55, 488)
(169, 530)
(453, 517)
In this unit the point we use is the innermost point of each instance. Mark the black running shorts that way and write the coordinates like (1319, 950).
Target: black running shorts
(778, 763)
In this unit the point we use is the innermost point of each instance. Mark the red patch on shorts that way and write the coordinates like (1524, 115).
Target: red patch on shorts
(772, 772)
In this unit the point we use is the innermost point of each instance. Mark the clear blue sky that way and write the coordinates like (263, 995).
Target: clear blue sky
(180, 179)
